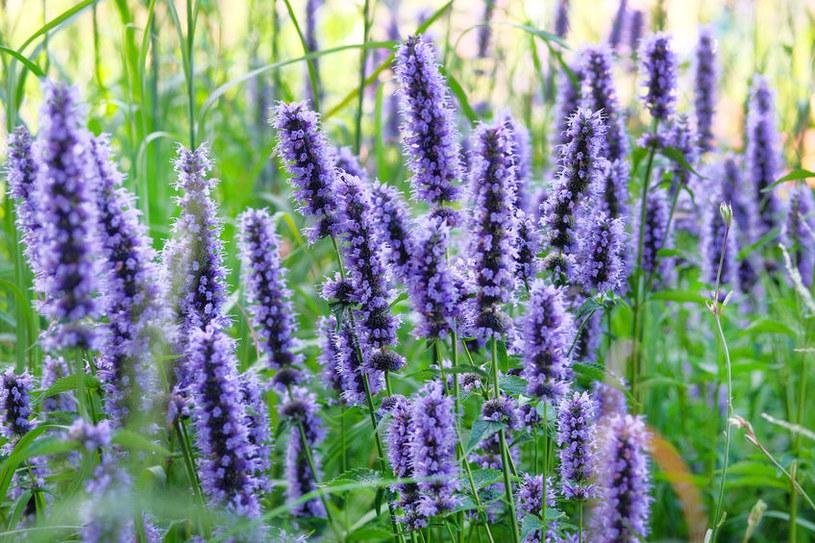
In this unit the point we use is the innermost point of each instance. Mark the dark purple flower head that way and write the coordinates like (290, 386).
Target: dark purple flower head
(713, 243)
(615, 193)
(762, 153)
(659, 70)
(22, 176)
(800, 231)
(269, 300)
(132, 295)
(530, 502)
(599, 94)
(502, 409)
(327, 329)
(600, 265)
(302, 412)
(562, 18)
(310, 160)
(546, 331)
(367, 269)
(623, 482)
(347, 161)
(704, 100)
(395, 230)
(493, 240)
(351, 366)
(338, 290)
(428, 129)
(575, 437)
(527, 246)
(433, 449)
(432, 286)
(257, 424)
(745, 217)
(68, 240)
(15, 399)
(636, 24)
(228, 458)
(656, 236)
(615, 38)
(484, 30)
(580, 179)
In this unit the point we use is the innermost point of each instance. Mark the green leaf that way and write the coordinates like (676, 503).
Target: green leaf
(68, 383)
(589, 371)
(137, 442)
(530, 524)
(482, 429)
(758, 244)
(485, 477)
(23, 450)
(764, 325)
(512, 384)
(795, 175)
(677, 156)
(31, 65)
(461, 96)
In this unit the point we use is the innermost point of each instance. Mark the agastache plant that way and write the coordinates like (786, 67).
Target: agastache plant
(800, 231)
(715, 253)
(396, 228)
(22, 177)
(598, 93)
(429, 134)
(762, 155)
(399, 437)
(493, 237)
(562, 18)
(618, 25)
(68, 241)
(228, 456)
(659, 74)
(600, 258)
(484, 30)
(302, 465)
(270, 306)
(576, 439)
(705, 74)
(310, 161)
(132, 295)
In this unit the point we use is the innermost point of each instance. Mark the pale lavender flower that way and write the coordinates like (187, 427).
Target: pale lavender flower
(347, 161)
(705, 75)
(659, 71)
(399, 437)
(493, 240)
(600, 265)
(131, 299)
(636, 25)
(800, 231)
(351, 367)
(433, 450)
(395, 228)
(623, 481)
(580, 178)
(257, 424)
(310, 161)
(682, 137)
(576, 439)
(527, 246)
(615, 192)
(428, 129)
(712, 242)
(228, 462)
(615, 38)
(545, 335)
(762, 154)
(568, 101)
(598, 93)
(300, 409)
(530, 502)
(269, 299)
(432, 286)
(656, 236)
(609, 400)
(22, 177)
(68, 242)
(562, 18)
(327, 332)
(521, 157)
(485, 30)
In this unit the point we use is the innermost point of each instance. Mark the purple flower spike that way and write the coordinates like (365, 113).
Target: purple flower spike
(433, 449)
(257, 424)
(562, 19)
(484, 31)
(132, 295)
(15, 399)
(530, 502)
(610, 400)
(547, 330)
(656, 236)
(311, 164)
(395, 228)
(228, 458)
(428, 129)
(713, 228)
(327, 327)
(682, 137)
(660, 66)
(493, 242)
(636, 24)
(705, 75)
(527, 246)
(432, 285)
(800, 231)
(399, 438)
(598, 93)
(368, 273)
(579, 180)
(623, 482)
(575, 437)
(22, 176)
(762, 153)
(269, 300)
(347, 161)
(68, 241)
(521, 157)
(617, 26)
(600, 265)
(301, 410)
(568, 101)
(351, 368)
(615, 193)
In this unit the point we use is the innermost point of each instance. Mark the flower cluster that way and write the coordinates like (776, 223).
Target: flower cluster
(660, 66)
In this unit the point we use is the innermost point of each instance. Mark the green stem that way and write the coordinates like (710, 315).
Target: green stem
(516, 536)
(191, 70)
(189, 463)
(312, 466)
(363, 57)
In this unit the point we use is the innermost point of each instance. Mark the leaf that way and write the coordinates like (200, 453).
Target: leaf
(136, 442)
(65, 384)
(758, 244)
(512, 384)
(764, 325)
(530, 524)
(485, 477)
(589, 371)
(31, 65)
(795, 175)
(56, 21)
(677, 156)
(482, 429)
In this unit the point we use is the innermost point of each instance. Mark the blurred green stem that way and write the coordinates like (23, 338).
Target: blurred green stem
(502, 438)
(363, 57)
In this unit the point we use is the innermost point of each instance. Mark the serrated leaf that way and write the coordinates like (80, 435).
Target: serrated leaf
(512, 384)
(589, 371)
(530, 524)
(485, 477)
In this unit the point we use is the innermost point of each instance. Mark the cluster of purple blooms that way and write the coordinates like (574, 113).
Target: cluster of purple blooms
(104, 287)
